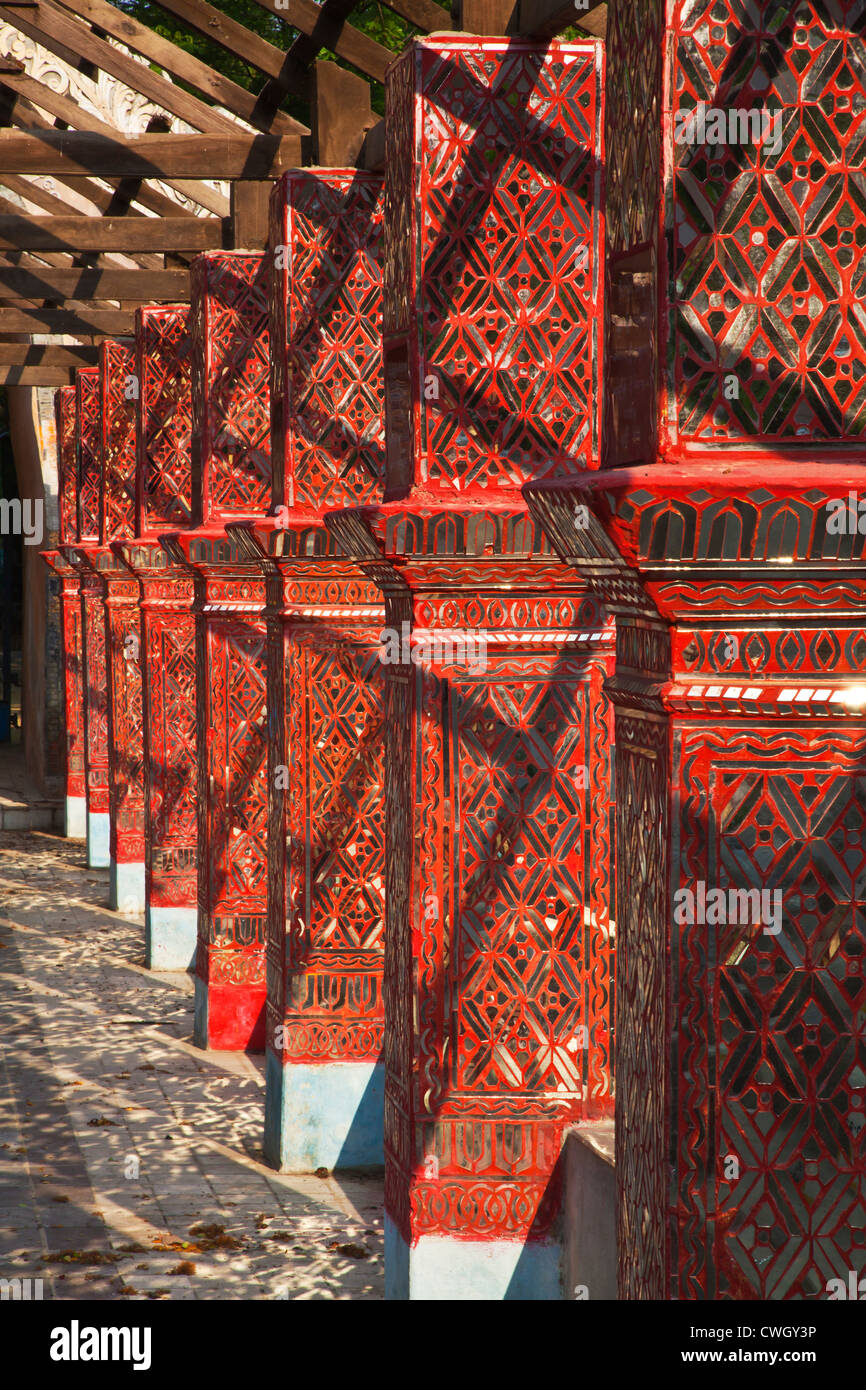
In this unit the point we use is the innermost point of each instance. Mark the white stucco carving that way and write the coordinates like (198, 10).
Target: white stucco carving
(104, 97)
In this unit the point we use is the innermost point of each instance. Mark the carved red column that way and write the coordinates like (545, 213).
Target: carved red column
(75, 812)
(739, 689)
(164, 486)
(118, 390)
(499, 926)
(325, 1074)
(231, 482)
(85, 556)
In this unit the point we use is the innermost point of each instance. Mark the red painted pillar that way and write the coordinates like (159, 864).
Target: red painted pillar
(75, 811)
(735, 553)
(85, 556)
(231, 482)
(118, 388)
(164, 487)
(325, 1073)
(498, 956)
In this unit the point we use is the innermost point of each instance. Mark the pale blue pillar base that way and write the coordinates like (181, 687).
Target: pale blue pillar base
(98, 837)
(126, 888)
(170, 937)
(589, 1211)
(444, 1268)
(328, 1115)
(75, 818)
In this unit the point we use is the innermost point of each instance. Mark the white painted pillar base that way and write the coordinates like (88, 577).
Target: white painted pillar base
(323, 1115)
(75, 818)
(98, 839)
(445, 1268)
(170, 937)
(126, 888)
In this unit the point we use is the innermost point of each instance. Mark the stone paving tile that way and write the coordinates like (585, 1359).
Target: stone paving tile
(120, 1141)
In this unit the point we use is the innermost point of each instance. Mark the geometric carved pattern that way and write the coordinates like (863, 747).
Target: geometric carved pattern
(397, 985)
(95, 693)
(73, 660)
(170, 771)
(336, 890)
(164, 482)
(89, 450)
(88, 429)
(327, 406)
(770, 1026)
(164, 436)
(514, 958)
(326, 828)
(117, 401)
(740, 651)
(773, 521)
(233, 807)
(67, 480)
(740, 1135)
(73, 667)
(231, 470)
(125, 721)
(491, 272)
(123, 665)
(231, 479)
(767, 271)
(520, 927)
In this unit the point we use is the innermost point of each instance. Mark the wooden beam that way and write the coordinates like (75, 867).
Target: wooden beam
(104, 200)
(76, 323)
(341, 115)
(27, 116)
(594, 20)
(45, 355)
(287, 77)
(40, 260)
(182, 65)
(36, 376)
(56, 28)
(65, 109)
(40, 235)
(249, 219)
(148, 156)
(32, 281)
(372, 152)
(424, 14)
(21, 232)
(78, 256)
(543, 19)
(489, 17)
(322, 26)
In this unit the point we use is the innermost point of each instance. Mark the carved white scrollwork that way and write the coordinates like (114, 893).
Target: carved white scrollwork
(103, 96)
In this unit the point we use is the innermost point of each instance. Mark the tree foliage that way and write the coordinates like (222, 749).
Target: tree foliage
(370, 17)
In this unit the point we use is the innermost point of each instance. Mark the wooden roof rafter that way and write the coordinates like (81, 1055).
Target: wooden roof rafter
(80, 275)
(18, 109)
(183, 66)
(68, 112)
(58, 30)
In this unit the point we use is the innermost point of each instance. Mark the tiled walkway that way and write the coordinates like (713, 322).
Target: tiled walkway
(130, 1162)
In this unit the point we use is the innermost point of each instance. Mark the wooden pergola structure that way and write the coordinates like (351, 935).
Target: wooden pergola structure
(564, 387)
(81, 275)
